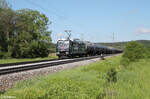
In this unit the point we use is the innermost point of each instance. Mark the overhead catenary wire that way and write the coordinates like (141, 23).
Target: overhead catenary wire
(41, 7)
(54, 9)
(51, 11)
(60, 16)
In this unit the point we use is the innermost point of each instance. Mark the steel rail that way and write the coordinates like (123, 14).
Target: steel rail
(37, 66)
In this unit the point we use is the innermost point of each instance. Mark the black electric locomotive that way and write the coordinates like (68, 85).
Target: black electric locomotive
(70, 48)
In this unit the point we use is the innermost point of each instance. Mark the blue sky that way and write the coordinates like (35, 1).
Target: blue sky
(94, 20)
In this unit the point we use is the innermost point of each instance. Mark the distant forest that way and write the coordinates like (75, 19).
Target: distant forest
(121, 45)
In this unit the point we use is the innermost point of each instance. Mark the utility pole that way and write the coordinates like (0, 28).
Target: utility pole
(68, 33)
(82, 35)
(113, 37)
(113, 41)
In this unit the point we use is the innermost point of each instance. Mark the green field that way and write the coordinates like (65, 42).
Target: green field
(89, 82)
(14, 60)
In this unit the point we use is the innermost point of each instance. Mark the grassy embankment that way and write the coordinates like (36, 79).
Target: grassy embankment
(89, 82)
(13, 60)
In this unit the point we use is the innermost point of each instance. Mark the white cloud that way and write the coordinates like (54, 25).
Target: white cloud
(143, 30)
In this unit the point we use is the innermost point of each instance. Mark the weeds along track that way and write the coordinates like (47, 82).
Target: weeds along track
(24, 66)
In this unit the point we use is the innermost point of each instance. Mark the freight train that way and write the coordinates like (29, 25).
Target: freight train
(77, 48)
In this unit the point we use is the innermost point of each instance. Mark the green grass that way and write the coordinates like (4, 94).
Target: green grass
(13, 60)
(89, 82)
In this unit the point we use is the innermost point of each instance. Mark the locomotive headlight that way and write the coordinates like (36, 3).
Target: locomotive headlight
(57, 53)
(67, 52)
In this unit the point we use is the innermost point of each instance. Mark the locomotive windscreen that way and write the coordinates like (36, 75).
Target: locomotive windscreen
(63, 45)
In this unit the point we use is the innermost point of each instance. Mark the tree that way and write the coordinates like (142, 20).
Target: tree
(4, 4)
(23, 33)
(6, 27)
(31, 34)
(134, 51)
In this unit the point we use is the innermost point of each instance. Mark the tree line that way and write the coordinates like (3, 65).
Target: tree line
(23, 33)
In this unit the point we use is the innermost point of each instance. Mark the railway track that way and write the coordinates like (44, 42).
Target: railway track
(24, 66)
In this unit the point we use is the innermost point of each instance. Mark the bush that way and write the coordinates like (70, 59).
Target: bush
(4, 55)
(1, 54)
(133, 52)
(32, 50)
(112, 75)
(148, 53)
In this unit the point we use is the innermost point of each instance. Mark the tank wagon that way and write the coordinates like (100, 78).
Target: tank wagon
(78, 48)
